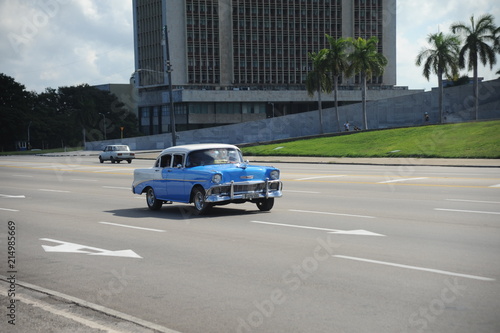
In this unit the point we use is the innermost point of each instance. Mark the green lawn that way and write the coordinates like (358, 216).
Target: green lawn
(464, 140)
(44, 151)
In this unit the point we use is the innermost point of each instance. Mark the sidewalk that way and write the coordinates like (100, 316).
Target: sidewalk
(451, 162)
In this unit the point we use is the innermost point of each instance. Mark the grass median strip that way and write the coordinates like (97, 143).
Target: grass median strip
(464, 140)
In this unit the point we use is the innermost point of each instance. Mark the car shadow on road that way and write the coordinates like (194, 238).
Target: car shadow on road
(183, 212)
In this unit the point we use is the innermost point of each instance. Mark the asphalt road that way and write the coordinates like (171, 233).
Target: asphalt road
(349, 248)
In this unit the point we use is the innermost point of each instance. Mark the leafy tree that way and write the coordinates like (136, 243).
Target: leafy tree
(338, 64)
(459, 81)
(97, 112)
(478, 36)
(48, 122)
(318, 79)
(367, 61)
(15, 107)
(441, 59)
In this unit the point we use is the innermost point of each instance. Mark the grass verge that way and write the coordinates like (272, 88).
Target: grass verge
(464, 140)
(41, 151)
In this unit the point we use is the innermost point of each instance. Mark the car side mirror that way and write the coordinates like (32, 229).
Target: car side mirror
(179, 166)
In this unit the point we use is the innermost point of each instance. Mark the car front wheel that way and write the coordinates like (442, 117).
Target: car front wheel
(152, 201)
(200, 205)
(265, 205)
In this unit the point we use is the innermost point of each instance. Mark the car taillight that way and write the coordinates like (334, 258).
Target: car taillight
(132, 154)
(119, 154)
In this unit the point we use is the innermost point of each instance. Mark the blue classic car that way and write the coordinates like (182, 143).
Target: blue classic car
(207, 175)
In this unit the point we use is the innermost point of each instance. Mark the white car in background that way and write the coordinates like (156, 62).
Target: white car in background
(116, 154)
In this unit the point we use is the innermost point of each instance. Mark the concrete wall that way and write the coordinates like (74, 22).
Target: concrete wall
(393, 112)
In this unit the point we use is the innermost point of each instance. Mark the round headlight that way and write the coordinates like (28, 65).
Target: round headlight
(217, 178)
(275, 174)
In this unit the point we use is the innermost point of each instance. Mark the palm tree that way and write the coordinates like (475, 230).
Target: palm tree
(318, 79)
(476, 48)
(367, 61)
(337, 63)
(441, 59)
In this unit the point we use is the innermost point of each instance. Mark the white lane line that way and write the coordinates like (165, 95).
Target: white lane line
(438, 271)
(308, 192)
(331, 231)
(132, 227)
(117, 187)
(9, 210)
(475, 201)
(467, 211)
(318, 177)
(327, 213)
(401, 180)
(48, 190)
(12, 196)
(84, 180)
(293, 226)
(497, 185)
(105, 170)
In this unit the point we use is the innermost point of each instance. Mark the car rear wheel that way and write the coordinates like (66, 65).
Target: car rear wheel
(129, 161)
(200, 205)
(152, 201)
(265, 205)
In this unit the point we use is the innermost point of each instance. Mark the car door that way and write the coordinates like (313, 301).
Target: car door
(105, 153)
(162, 165)
(174, 177)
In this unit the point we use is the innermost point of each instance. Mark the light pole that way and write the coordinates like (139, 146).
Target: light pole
(168, 69)
(28, 146)
(104, 124)
(272, 106)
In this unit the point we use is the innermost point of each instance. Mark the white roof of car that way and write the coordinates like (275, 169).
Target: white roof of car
(199, 146)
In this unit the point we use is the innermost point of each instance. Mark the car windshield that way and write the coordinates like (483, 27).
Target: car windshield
(213, 156)
(122, 148)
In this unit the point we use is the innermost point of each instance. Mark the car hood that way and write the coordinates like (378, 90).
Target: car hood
(241, 172)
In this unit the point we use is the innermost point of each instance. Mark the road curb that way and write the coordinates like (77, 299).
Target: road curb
(91, 306)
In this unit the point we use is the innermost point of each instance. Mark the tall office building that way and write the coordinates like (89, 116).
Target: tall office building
(240, 60)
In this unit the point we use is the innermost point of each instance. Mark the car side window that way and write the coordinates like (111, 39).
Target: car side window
(178, 159)
(165, 161)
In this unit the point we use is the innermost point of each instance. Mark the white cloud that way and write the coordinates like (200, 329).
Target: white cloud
(417, 19)
(54, 43)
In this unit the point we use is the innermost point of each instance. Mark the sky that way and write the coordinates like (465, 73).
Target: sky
(54, 43)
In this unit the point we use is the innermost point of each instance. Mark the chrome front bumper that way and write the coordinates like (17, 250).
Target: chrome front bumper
(244, 191)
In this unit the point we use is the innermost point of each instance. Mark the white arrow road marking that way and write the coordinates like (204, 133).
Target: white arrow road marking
(438, 271)
(331, 231)
(77, 248)
(360, 232)
(12, 196)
